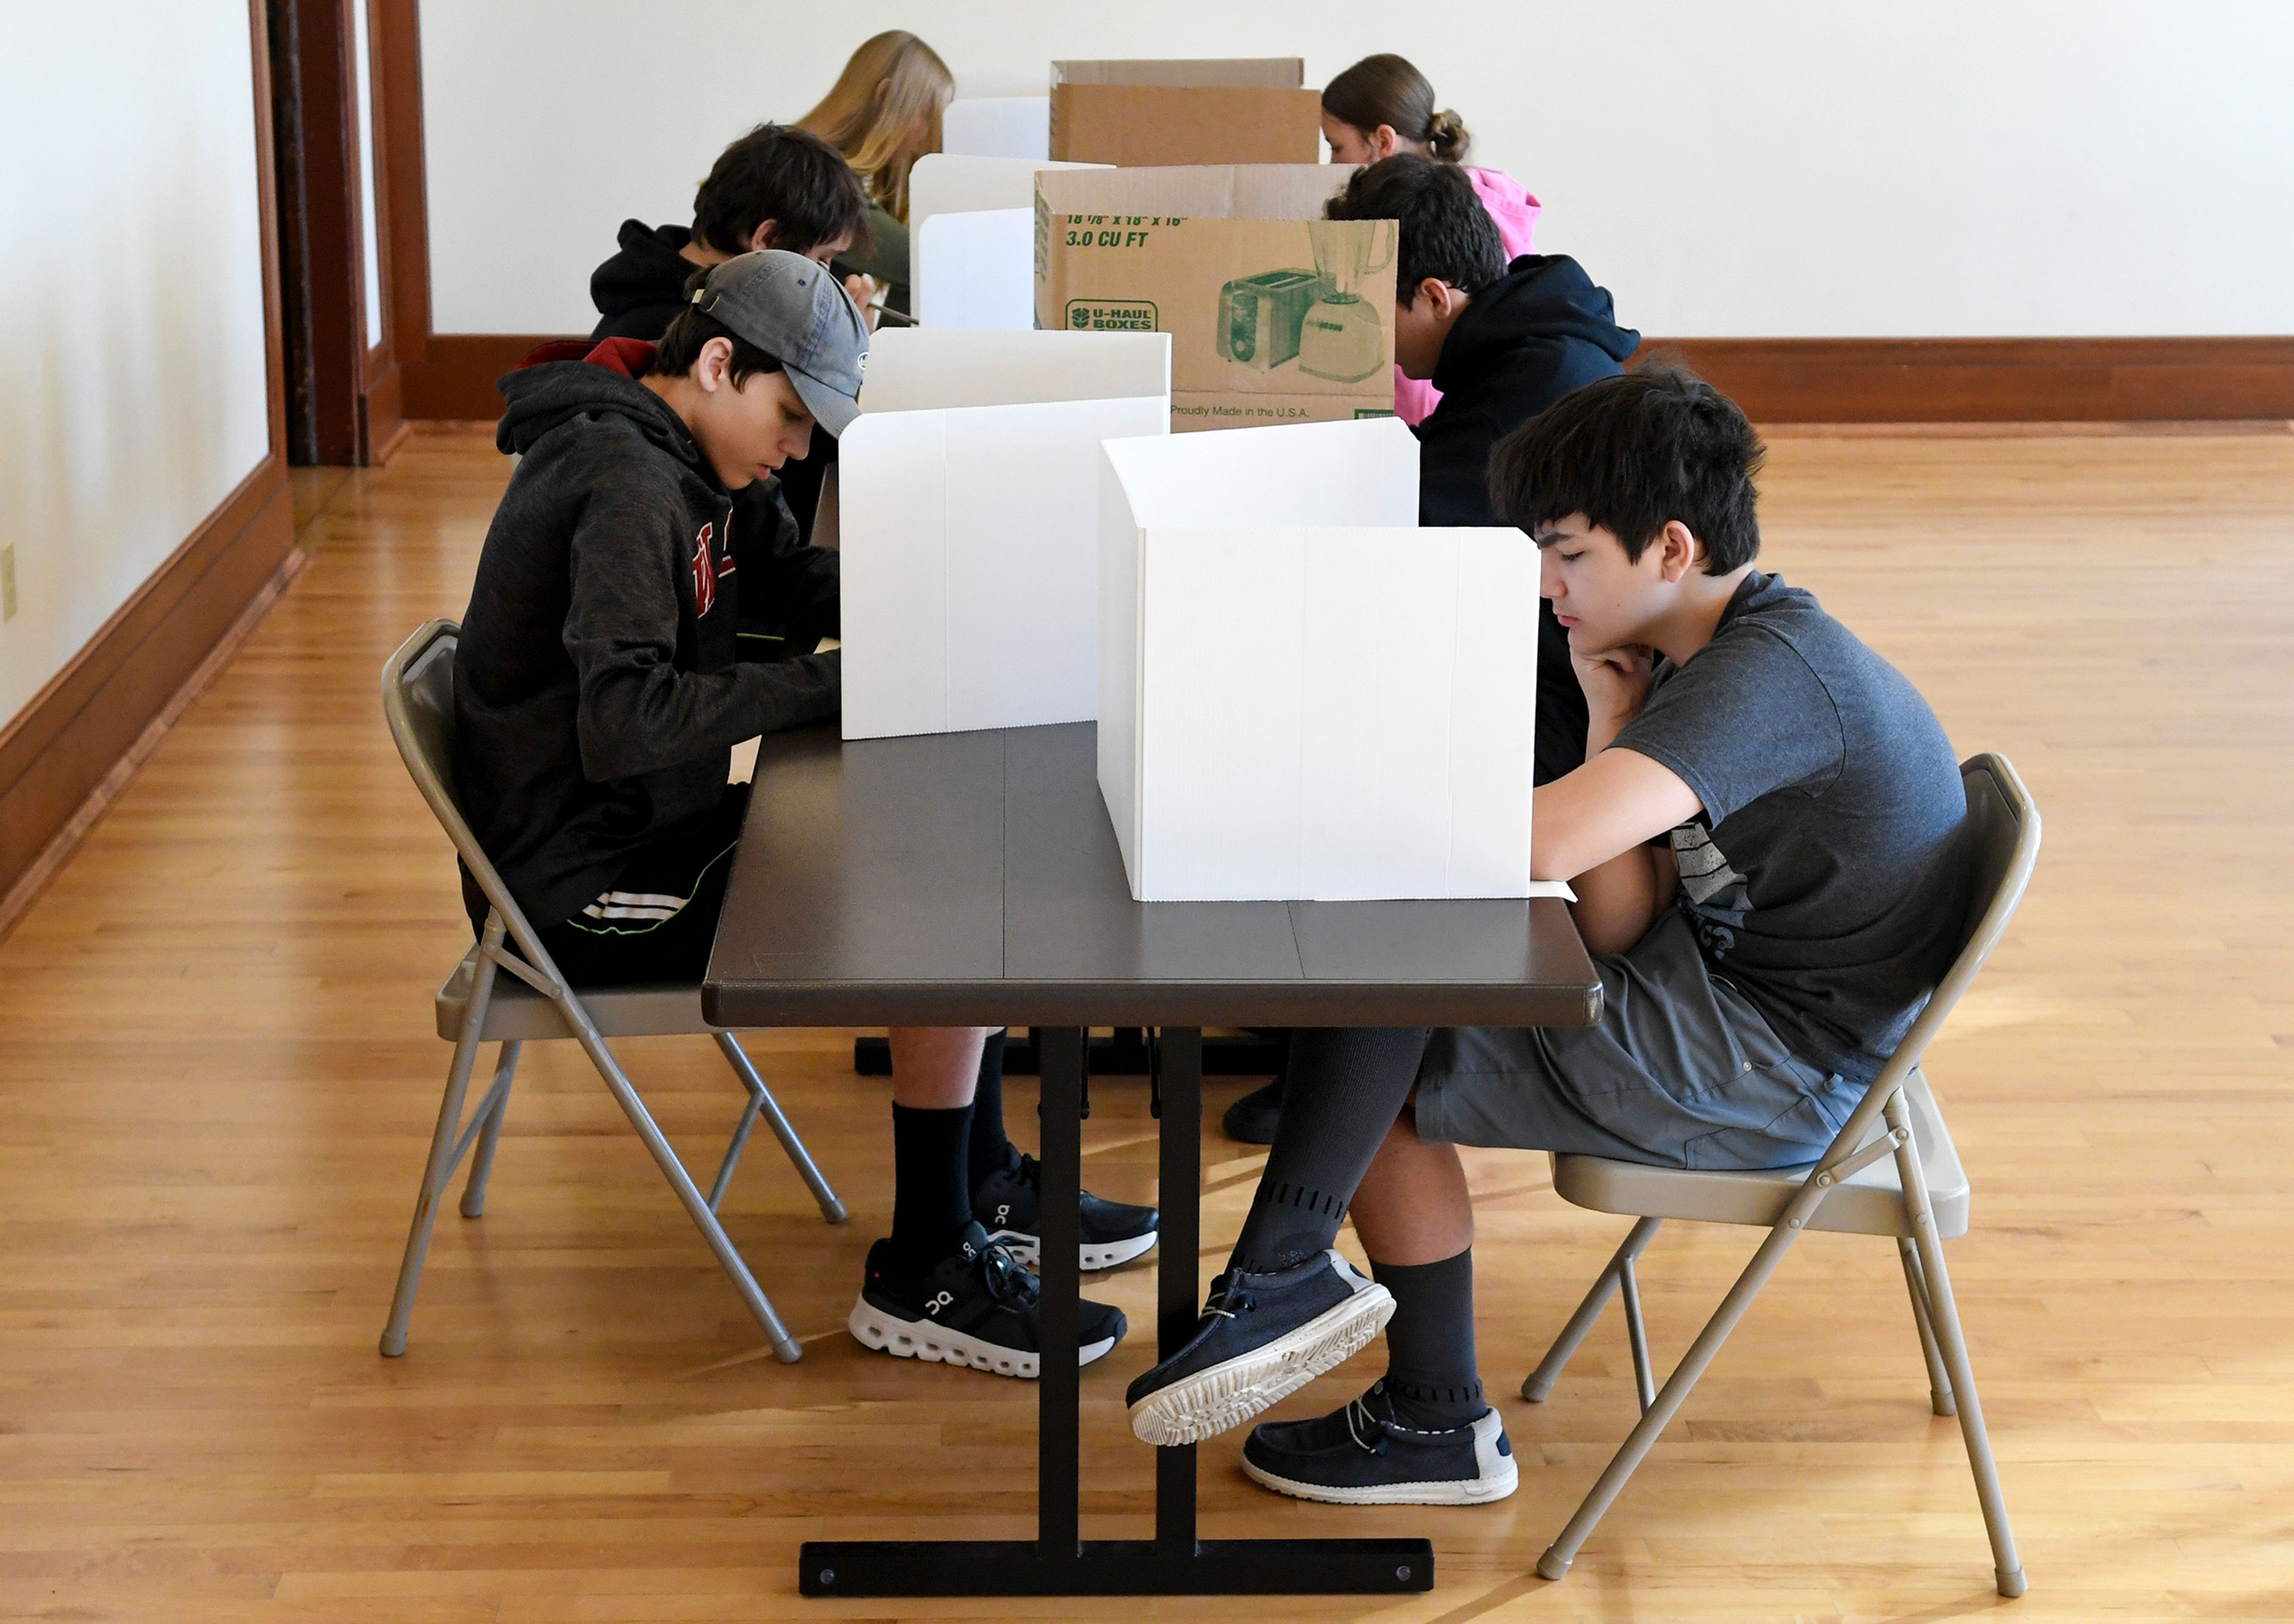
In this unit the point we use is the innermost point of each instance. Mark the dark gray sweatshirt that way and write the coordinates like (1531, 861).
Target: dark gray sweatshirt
(599, 685)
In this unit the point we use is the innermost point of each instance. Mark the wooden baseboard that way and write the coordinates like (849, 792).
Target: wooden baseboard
(454, 378)
(1776, 380)
(63, 745)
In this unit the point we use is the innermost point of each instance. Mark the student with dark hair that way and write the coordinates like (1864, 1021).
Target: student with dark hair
(1382, 106)
(1766, 843)
(777, 187)
(600, 687)
(1504, 342)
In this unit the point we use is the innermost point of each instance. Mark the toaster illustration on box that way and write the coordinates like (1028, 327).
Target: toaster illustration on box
(1259, 316)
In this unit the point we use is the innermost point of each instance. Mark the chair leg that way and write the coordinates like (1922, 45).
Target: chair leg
(441, 1164)
(1637, 1333)
(696, 1206)
(761, 1100)
(1563, 1551)
(1539, 1382)
(1939, 1399)
(482, 1165)
(2008, 1567)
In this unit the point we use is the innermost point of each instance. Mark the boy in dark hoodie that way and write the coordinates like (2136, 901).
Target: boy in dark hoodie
(599, 689)
(777, 187)
(1501, 343)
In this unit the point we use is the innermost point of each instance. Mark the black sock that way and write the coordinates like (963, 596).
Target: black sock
(1430, 1370)
(990, 1147)
(1341, 1091)
(930, 1200)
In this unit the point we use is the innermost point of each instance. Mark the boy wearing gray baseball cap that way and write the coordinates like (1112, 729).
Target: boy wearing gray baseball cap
(602, 681)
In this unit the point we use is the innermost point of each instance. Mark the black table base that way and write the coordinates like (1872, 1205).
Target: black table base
(1124, 1053)
(1059, 1561)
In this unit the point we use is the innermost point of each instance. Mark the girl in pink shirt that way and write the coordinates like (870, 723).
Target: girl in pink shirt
(1381, 106)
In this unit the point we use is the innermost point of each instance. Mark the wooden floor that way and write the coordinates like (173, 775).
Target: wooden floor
(216, 1083)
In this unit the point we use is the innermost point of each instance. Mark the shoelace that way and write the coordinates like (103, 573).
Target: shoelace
(1005, 1280)
(1358, 1418)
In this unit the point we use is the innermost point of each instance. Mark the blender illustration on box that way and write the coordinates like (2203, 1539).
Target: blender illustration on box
(1317, 317)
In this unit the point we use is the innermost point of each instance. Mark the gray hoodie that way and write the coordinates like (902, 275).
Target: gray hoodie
(599, 685)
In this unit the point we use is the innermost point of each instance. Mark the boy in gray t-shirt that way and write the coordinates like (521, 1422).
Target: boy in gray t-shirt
(1765, 840)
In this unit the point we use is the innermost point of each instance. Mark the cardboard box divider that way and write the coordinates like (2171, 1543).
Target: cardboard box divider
(968, 497)
(1302, 693)
(1237, 265)
(1211, 110)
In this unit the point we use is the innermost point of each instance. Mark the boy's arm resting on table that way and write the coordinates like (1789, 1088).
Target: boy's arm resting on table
(789, 591)
(1593, 827)
(638, 712)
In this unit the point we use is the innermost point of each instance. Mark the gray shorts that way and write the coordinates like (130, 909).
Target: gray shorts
(1681, 1071)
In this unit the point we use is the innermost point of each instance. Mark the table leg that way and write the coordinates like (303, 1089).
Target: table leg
(1057, 1561)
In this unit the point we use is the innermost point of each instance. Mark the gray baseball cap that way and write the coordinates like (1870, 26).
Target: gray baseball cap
(795, 310)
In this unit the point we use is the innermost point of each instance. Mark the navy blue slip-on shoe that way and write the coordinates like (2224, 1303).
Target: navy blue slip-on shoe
(975, 1307)
(1263, 1337)
(1254, 1117)
(1362, 1456)
(1009, 1206)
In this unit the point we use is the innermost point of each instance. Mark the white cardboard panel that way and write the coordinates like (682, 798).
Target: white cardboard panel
(1375, 811)
(1223, 643)
(1251, 745)
(997, 127)
(952, 182)
(1493, 684)
(892, 489)
(918, 369)
(976, 269)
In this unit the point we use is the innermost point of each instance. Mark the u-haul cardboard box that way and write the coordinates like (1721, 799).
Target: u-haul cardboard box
(1215, 110)
(1248, 748)
(968, 494)
(972, 239)
(1277, 315)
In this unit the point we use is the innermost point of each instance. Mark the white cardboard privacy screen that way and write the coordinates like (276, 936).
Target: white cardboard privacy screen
(952, 182)
(968, 495)
(977, 269)
(997, 126)
(1304, 695)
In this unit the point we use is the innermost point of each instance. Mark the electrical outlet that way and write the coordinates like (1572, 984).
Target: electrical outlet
(7, 583)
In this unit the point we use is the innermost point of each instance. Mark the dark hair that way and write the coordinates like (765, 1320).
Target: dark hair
(1386, 89)
(779, 173)
(1446, 233)
(1631, 453)
(680, 345)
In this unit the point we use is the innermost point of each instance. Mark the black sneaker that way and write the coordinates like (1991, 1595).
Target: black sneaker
(1009, 1204)
(1263, 1337)
(1362, 1456)
(975, 1307)
(1254, 1117)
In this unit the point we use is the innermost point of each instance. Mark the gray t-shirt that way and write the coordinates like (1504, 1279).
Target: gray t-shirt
(1826, 876)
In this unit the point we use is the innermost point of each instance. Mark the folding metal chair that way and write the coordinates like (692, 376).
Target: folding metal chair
(476, 1007)
(1890, 1170)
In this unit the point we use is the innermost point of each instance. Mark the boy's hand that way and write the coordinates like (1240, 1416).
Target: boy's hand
(1616, 683)
(865, 293)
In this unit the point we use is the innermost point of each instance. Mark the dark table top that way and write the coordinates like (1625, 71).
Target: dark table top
(972, 878)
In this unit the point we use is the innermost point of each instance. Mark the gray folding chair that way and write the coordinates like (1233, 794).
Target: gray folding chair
(474, 1008)
(1890, 1170)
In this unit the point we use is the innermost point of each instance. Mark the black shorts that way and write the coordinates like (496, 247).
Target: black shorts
(658, 919)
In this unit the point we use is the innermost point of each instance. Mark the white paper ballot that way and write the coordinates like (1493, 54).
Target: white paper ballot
(1303, 694)
(969, 496)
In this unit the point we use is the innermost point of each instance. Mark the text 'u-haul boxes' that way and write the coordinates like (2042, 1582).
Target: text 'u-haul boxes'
(969, 506)
(1303, 695)
(1277, 315)
(1217, 110)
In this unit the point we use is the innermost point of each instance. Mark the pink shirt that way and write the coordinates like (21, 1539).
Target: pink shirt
(1516, 213)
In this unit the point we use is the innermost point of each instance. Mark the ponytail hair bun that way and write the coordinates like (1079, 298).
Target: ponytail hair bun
(1446, 138)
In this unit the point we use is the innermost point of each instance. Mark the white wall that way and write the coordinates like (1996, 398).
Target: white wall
(1758, 168)
(133, 390)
